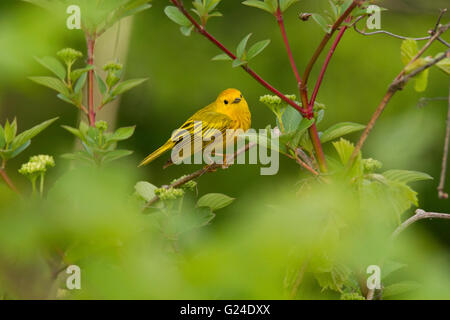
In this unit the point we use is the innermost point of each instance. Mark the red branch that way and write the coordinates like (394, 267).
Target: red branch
(324, 42)
(200, 29)
(325, 66)
(279, 16)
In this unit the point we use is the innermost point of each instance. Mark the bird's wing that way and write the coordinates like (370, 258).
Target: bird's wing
(200, 127)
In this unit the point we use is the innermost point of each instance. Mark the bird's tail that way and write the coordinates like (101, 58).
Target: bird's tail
(157, 153)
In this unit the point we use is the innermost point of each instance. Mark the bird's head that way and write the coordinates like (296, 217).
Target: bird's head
(231, 99)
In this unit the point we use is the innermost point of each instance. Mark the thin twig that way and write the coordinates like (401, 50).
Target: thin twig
(325, 40)
(279, 16)
(424, 101)
(397, 85)
(325, 65)
(314, 135)
(199, 173)
(432, 32)
(302, 163)
(419, 215)
(200, 29)
(441, 193)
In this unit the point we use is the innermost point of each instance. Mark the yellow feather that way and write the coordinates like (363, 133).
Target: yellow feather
(228, 111)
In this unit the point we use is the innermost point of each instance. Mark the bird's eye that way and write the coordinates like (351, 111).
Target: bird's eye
(225, 101)
(241, 95)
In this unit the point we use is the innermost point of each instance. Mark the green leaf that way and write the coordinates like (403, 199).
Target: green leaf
(52, 83)
(406, 176)
(260, 5)
(122, 134)
(421, 81)
(390, 267)
(257, 48)
(214, 201)
(176, 16)
(75, 132)
(285, 4)
(75, 74)
(409, 50)
(240, 51)
(238, 63)
(101, 84)
(31, 133)
(344, 149)
(127, 85)
(322, 22)
(290, 119)
(186, 30)
(10, 131)
(400, 288)
(340, 129)
(222, 57)
(19, 150)
(54, 65)
(444, 65)
(145, 190)
(80, 83)
(79, 155)
(115, 155)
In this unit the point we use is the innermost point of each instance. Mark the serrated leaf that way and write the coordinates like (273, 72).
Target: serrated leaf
(406, 176)
(260, 5)
(400, 288)
(240, 51)
(222, 57)
(122, 134)
(127, 85)
(54, 65)
(214, 201)
(339, 130)
(52, 83)
(115, 155)
(344, 149)
(322, 22)
(145, 190)
(176, 16)
(257, 48)
(23, 137)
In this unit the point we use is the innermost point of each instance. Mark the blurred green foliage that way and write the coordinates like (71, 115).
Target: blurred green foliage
(258, 245)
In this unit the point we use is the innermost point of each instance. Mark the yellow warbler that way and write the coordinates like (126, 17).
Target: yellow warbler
(229, 111)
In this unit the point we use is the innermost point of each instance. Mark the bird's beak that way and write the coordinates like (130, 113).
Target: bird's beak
(237, 100)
